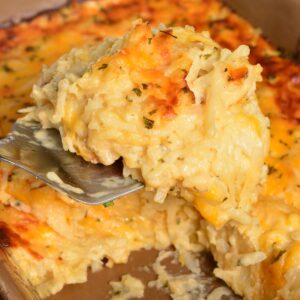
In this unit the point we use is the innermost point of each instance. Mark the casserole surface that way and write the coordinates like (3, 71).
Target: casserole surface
(29, 211)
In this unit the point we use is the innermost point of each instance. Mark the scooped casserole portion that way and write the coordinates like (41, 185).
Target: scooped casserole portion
(177, 108)
(42, 231)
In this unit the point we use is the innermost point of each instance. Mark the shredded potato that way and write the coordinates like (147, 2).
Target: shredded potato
(42, 231)
(179, 110)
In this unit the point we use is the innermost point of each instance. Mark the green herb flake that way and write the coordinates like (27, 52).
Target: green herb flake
(30, 48)
(149, 41)
(137, 91)
(148, 123)
(271, 77)
(98, 20)
(283, 143)
(33, 57)
(128, 98)
(271, 170)
(226, 198)
(64, 14)
(277, 256)
(103, 66)
(152, 112)
(185, 89)
(108, 204)
(168, 33)
(161, 160)
(283, 156)
(172, 23)
(7, 69)
(102, 9)
(145, 86)
(37, 187)
(207, 56)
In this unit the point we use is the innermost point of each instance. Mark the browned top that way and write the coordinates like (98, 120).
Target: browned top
(24, 48)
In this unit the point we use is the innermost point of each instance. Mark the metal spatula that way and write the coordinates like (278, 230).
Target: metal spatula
(64, 171)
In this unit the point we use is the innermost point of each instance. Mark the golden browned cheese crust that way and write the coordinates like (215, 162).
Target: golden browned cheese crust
(24, 48)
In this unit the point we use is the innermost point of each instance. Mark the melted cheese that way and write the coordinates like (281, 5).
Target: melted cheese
(178, 109)
(23, 51)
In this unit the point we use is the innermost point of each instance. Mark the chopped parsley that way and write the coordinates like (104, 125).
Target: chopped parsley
(148, 123)
(283, 156)
(149, 41)
(185, 89)
(33, 57)
(102, 9)
(145, 86)
(7, 69)
(207, 56)
(271, 77)
(98, 20)
(9, 177)
(152, 112)
(128, 99)
(283, 143)
(109, 203)
(137, 91)
(271, 170)
(30, 48)
(277, 256)
(103, 66)
(37, 187)
(17, 203)
(168, 33)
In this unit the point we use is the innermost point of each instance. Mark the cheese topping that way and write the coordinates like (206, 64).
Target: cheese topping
(179, 110)
(43, 230)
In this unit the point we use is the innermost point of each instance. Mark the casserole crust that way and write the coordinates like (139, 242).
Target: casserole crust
(180, 111)
(259, 260)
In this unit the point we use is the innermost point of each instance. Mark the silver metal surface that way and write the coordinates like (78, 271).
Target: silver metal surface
(95, 183)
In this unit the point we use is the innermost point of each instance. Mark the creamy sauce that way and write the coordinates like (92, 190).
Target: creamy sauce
(55, 178)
